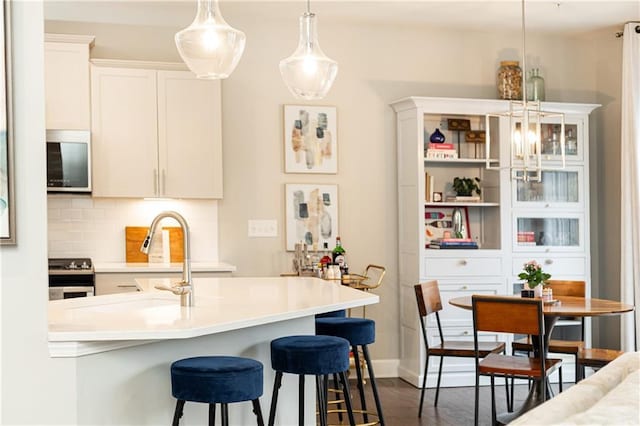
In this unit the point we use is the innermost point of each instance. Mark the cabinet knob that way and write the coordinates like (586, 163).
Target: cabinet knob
(464, 287)
(547, 205)
(548, 261)
(466, 333)
(463, 262)
(548, 250)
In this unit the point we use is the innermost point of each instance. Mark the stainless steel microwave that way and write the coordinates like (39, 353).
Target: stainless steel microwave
(68, 161)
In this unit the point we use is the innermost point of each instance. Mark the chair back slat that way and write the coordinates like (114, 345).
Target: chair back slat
(567, 288)
(428, 297)
(508, 315)
(374, 275)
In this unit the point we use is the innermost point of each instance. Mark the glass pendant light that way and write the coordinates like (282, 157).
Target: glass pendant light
(209, 46)
(525, 122)
(308, 73)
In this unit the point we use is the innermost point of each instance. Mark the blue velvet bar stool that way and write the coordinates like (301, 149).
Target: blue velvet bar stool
(360, 332)
(318, 356)
(333, 314)
(217, 380)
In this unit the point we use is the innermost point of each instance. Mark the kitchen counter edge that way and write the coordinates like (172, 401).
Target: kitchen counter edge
(123, 267)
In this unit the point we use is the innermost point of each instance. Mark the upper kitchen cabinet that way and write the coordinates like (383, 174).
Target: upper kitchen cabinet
(156, 131)
(66, 73)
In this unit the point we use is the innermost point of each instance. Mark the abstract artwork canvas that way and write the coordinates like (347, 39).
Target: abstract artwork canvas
(7, 207)
(311, 214)
(310, 139)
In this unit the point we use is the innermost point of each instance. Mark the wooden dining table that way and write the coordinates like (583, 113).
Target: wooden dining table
(562, 306)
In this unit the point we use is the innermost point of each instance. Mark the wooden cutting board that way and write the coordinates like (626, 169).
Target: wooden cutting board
(134, 235)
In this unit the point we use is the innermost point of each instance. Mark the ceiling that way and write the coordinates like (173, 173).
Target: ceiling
(564, 16)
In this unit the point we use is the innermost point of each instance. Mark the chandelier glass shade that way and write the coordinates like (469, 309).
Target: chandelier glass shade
(209, 46)
(308, 73)
(525, 123)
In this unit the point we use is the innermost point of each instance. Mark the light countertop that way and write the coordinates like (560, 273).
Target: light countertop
(88, 325)
(123, 267)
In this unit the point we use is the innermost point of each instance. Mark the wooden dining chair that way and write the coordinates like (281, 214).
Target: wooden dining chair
(509, 315)
(596, 358)
(571, 347)
(430, 303)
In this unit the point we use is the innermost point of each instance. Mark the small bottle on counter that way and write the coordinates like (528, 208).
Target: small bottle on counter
(338, 253)
(326, 257)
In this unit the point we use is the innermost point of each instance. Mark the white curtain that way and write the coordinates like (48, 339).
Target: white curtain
(630, 197)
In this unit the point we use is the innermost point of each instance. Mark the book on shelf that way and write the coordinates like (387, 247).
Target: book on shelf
(440, 146)
(467, 198)
(454, 247)
(453, 243)
(428, 187)
(441, 154)
(526, 237)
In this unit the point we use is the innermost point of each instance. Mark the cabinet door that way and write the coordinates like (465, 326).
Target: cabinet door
(190, 137)
(66, 85)
(125, 151)
(548, 232)
(558, 189)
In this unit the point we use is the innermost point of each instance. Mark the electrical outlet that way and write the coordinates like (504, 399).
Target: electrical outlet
(263, 228)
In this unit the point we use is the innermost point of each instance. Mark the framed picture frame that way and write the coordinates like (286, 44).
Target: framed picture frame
(311, 214)
(7, 202)
(439, 223)
(310, 139)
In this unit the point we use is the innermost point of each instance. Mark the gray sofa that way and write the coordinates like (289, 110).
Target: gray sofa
(610, 396)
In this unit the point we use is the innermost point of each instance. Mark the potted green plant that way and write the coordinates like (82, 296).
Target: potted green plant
(534, 276)
(465, 187)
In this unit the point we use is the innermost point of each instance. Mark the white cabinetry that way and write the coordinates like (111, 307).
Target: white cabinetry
(66, 70)
(111, 283)
(550, 219)
(156, 132)
(507, 207)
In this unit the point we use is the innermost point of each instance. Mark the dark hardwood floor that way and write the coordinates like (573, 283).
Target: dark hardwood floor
(400, 403)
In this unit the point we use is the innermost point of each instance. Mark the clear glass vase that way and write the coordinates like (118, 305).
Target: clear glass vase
(535, 86)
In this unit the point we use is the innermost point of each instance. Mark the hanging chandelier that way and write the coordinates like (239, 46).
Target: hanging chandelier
(209, 46)
(308, 73)
(525, 126)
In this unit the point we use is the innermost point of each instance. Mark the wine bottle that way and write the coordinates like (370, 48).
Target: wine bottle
(338, 253)
(326, 258)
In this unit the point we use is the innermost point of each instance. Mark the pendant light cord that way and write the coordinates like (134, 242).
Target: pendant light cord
(524, 59)
(309, 7)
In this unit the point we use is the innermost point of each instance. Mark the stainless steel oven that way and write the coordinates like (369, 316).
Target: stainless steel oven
(71, 277)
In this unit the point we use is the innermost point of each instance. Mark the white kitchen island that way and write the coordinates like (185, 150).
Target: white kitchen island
(120, 347)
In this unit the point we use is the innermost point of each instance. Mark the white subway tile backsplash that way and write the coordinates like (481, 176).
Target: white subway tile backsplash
(58, 202)
(73, 214)
(95, 213)
(61, 248)
(86, 227)
(82, 203)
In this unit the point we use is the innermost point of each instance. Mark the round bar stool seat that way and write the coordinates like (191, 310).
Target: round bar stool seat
(360, 332)
(338, 314)
(217, 380)
(310, 355)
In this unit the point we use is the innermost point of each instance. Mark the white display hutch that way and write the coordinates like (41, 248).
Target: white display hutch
(558, 207)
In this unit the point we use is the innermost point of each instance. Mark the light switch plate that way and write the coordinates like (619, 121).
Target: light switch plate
(263, 228)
